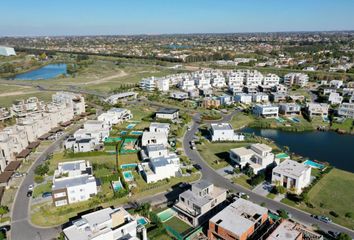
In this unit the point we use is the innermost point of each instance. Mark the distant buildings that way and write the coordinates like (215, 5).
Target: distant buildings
(197, 205)
(239, 220)
(7, 51)
(73, 182)
(258, 156)
(21, 108)
(299, 79)
(107, 224)
(167, 113)
(224, 132)
(292, 175)
(114, 99)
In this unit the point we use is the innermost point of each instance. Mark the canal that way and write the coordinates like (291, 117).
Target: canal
(329, 146)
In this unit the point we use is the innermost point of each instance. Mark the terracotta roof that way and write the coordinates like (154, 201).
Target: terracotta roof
(33, 145)
(12, 166)
(45, 136)
(55, 130)
(2, 190)
(24, 153)
(5, 177)
(65, 124)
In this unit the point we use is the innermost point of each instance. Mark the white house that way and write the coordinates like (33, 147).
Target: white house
(115, 116)
(292, 175)
(179, 95)
(81, 144)
(105, 224)
(197, 205)
(156, 150)
(336, 83)
(289, 108)
(187, 85)
(73, 182)
(154, 138)
(224, 132)
(270, 80)
(77, 101)
(7, 51)
(346, 110)
(243, 98)
(218, 82)
(148, 84)
(163, 84)
(266, 111)
(168, 113)
(260, 97)
(317, 109)
(299, 79)
(335, 98)
(159, 127)
(258, 156)
(159, 168)
(93, 129)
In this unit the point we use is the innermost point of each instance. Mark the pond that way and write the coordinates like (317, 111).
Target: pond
(44, 73)
(329, 146)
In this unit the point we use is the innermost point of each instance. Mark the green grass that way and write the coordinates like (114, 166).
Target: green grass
(42, 188)
(346, 126)
(217, 154)
(241, 120)
(332, 193)
(271, 195)
(178, 225)
(288, 202)
(6, 101)
(242, 180)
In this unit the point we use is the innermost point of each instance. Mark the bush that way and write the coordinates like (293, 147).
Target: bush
(42, 169)
(334, 214)
(281, 189)
(38, 179)
(349, 215)
(283, 214)
(255, 180)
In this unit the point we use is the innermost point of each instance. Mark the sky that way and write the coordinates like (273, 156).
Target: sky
(120, 17)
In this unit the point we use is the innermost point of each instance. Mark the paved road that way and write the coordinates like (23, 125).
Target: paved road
(21, 228)
(211, 175)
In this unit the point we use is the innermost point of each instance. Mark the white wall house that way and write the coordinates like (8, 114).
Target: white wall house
(187, 85)
(336, 83)
(292, 175)
(243, 98)
(159, 168)
(105, 224)
(196, 205)
(163, 84)
(81, 144)
(266, 111)
(73, 182)
(148, 84)
(114, 99)
(270, 80)
(93, 129)
(317, 109)
(154, 138)
(159, 127)
(346, 110)
(168, 113)
(299, 79)
(77, 101)
(115, 116)
(7, 51)
(260, 98)
(258, 156)
(224, 132)
(289, 108)
(335, 98)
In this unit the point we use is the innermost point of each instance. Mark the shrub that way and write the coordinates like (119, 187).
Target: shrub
(38, 179)
(334, 214)
(283, 214)
(255, 180)
(349, 215)
(42, 169)
(281, 189)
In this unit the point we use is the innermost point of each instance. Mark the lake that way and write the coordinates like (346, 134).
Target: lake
(329, 146)
(47, 72)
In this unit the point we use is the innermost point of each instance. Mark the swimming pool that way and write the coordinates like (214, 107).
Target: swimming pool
(282, 155)
(131, 125)
(142, 221)
(124, 132)
(117, 185)
(166, 214)
(295, 120)
(136, 132)
(280, 120)
(314, 164)
(111, 140)
(128, 176)
(128, 165)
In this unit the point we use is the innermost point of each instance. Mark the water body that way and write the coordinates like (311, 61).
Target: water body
(47, 72)
(329, 146)
(176, 46)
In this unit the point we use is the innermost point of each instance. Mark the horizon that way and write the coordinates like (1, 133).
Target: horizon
(20, 18)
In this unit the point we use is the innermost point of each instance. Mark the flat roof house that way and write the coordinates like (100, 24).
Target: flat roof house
(346, 110)
(107, 224)
(289, 230)
(292, 175)
(73, 182)
(224, 132)
(168, 113)
(115, 116)
(258, 156)
(317, 109)
(197, 205)
(114, 99)
(266, 111)
(154, 138)
(239, 220)
(289, 108)
(159, 127)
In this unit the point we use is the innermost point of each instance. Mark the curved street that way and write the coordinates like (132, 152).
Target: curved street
(212, 176)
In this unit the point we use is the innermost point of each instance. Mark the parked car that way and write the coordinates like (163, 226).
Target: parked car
(30, 187)
(333, 234)
(29, 193)
(17, 175)
(197, 166)
(243, 195)
(46, 194)
(324, 219)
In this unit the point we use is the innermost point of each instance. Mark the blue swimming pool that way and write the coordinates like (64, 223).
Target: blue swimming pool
(131, 125)
(142, 221)
(314, 164)
(136, 132)
(128, 165)
(117, 185)
(124, 132)
(295, 120)
(128, 176)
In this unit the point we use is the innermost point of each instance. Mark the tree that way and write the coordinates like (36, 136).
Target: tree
(344, 236)
(42, 169)
(43, 56)
(3, 210)
(283, 214)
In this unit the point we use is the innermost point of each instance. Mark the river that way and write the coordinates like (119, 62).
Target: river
(329, 146)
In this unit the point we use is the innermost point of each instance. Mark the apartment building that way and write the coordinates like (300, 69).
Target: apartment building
(270, 80)
(73, 182)
(77, 101)
(210, 102)
(218, 82)
(243, 98)
(21, 108)
(115, 116)
(148, 84)
(187, 85)
(7, 51)
(163, 84)
(197, 205)
(346, 110)
(239, 220)
(260, 98)
(292, 175)
(5, 114)
(335, 98)
(317, 109)
(266, 111)
(114, 99)
(107, 224)
(299, 79)
(224, 132)
(258, 156)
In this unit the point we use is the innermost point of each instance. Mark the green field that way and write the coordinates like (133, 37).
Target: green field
(333, 193)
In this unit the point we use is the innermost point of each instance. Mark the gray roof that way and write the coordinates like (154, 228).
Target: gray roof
(167, 110)
(72, 181)
(202, 184)
(221, 126)
(155, 147)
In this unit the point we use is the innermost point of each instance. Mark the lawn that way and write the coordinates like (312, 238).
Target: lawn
(178, 225)
(271, 195)
(6, 101)
(347, 126)
(217, 154)
(42, 188)
(242, 180)
(333, 193)
(241, 120)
